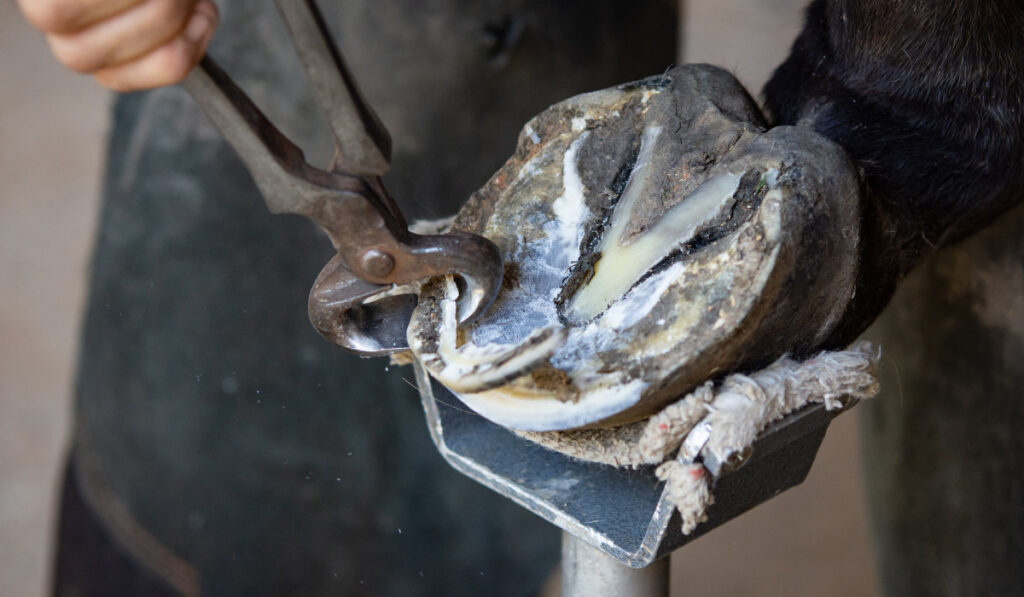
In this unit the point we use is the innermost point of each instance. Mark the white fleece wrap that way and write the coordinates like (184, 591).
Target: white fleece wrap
(731, 413)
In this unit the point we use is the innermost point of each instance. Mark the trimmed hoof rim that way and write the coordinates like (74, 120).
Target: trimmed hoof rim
(655, 235)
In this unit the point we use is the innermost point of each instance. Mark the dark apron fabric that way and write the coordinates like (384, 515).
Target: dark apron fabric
(221, 446)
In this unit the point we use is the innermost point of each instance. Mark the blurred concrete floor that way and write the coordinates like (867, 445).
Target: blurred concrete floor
(811, 540)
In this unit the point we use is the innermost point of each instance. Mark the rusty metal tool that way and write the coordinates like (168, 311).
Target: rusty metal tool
(363, 297)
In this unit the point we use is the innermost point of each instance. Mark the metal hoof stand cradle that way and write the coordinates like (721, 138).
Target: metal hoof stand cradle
(617, 523)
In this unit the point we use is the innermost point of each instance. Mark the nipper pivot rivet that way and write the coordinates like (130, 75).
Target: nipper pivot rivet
(377, 263)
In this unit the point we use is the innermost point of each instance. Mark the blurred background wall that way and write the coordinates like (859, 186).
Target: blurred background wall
(811, 540)
(52, 127)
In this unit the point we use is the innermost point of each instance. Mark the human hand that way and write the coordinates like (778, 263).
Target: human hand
(127, 45)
